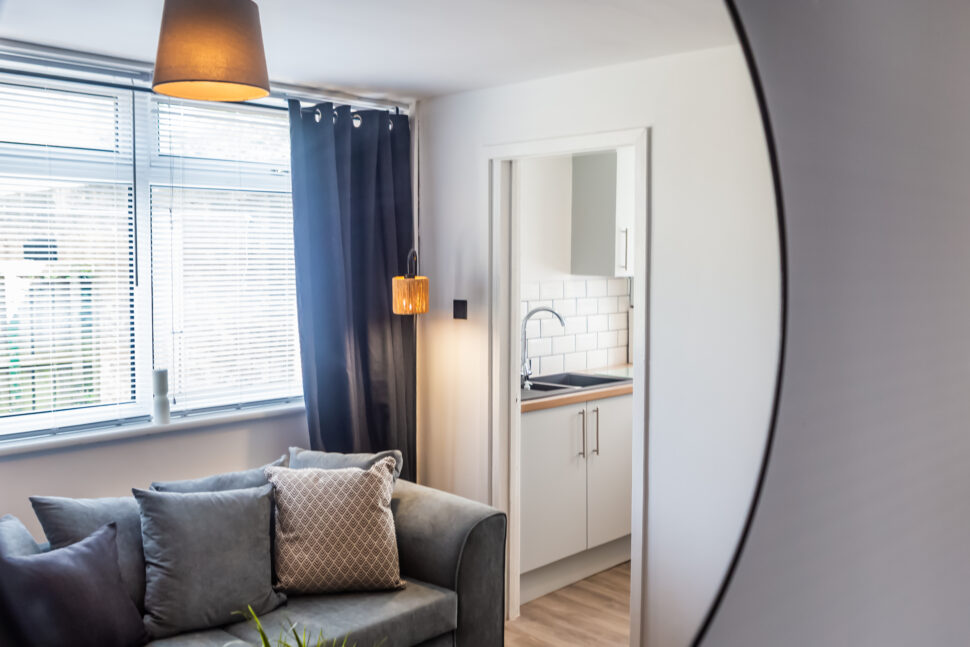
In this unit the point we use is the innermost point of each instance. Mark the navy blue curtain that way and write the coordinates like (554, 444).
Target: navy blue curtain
(352, 223)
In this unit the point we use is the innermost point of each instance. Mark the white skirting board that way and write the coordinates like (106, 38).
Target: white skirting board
(549, 578)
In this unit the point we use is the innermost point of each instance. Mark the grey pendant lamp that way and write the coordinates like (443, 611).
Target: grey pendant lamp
(211, 50)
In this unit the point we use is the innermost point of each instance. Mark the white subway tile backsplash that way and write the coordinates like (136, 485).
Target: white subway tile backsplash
(529, 291)
(550, 364)
(575, 289)
(551, 290)
(575, 325)
(597, 359)
(616, 356)
(607, 339)
(539, 347)
(596, 288)
(565, 307)
(616, 287)
(563, 345)
(598, 323)
(595, 335)
(606, 305)
(574, 362)
(618, 321)
(532, 329)
(550, 328)
(586, 306)
(586, 341)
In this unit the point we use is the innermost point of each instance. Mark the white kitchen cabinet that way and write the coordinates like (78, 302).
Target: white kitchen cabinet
(603, 205)
(553, 500)
(576, 485)
(609, 469)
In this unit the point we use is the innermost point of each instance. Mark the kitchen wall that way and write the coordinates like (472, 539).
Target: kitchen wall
(113, 468)
(714, 286)
(596, 309)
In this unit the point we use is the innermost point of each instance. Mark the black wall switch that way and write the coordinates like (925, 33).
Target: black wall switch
(461, 309)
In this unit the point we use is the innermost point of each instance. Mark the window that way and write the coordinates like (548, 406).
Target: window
(140, 232)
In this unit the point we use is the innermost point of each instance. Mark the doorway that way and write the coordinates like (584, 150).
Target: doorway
(629, 285)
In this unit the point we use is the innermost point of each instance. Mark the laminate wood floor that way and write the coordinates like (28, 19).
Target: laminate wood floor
(594, 611)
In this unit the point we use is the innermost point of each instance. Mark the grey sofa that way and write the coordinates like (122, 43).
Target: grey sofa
(452, 554)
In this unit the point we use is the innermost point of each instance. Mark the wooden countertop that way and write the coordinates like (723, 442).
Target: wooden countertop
(573, 397)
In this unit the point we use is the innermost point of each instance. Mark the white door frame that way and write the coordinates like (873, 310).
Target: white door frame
(504, 352)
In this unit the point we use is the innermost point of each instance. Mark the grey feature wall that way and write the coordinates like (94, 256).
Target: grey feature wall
(862, 532)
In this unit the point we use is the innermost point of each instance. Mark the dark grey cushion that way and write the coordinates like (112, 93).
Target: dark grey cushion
(15, 539)
(401, 618)
(70, 596)
(68, 521)
(207, 555)
(221, 482)
(303, 458)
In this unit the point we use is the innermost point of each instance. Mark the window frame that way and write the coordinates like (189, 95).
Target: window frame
(141, 167)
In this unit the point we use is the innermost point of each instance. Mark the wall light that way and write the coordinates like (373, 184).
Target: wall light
(211, 50)
(410, 291)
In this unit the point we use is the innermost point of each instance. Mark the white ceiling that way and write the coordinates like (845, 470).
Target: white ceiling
(404, 49)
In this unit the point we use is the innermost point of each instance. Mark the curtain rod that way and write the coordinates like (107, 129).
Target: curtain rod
(139, 74)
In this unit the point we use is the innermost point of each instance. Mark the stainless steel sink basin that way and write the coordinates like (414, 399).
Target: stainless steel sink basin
(545, 386)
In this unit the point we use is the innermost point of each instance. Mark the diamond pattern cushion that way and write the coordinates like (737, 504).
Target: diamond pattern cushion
(335, 530)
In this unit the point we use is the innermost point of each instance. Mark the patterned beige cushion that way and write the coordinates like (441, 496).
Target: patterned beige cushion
(335, 530)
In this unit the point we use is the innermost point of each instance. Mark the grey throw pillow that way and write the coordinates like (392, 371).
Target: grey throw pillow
(15, 539)
(304, 458)
(68, 521)
(221, 482)
(207, 555)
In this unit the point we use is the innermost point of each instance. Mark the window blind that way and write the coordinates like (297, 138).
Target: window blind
(67, 257)
(223, 276)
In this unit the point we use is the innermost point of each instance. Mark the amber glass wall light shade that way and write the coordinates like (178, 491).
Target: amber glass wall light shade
(211, 50)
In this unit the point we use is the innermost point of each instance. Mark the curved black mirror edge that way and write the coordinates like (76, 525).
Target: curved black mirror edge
(783, 251)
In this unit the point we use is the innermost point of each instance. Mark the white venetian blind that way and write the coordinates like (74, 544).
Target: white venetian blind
(67, 256)
(224, 291)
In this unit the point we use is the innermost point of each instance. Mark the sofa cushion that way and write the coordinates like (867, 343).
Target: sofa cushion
(207, 556)
(67, 521)
(335, 530)
(207, 638)
(303, 458)
(402, 618)
(71, 596)
(221, 482)
(15, 539)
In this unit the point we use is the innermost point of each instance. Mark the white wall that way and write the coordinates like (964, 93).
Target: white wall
(113, 468)
(715, 289)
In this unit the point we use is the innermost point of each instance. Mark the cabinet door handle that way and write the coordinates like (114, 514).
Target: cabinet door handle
(597, 412)
(583, 451)
(626, 248)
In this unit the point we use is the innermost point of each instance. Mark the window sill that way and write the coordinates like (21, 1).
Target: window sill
(142, 429)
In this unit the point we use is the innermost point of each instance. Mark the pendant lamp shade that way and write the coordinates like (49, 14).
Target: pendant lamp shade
(211, 50)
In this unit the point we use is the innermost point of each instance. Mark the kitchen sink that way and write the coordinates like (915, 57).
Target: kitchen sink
(580, 380)
(544, 386)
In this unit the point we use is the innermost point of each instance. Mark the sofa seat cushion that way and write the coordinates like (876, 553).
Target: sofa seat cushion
(403, 618)
(208, 638)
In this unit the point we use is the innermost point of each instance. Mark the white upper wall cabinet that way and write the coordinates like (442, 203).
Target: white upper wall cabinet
(603, 213)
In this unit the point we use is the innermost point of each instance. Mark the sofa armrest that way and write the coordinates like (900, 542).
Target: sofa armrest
(457, 544)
